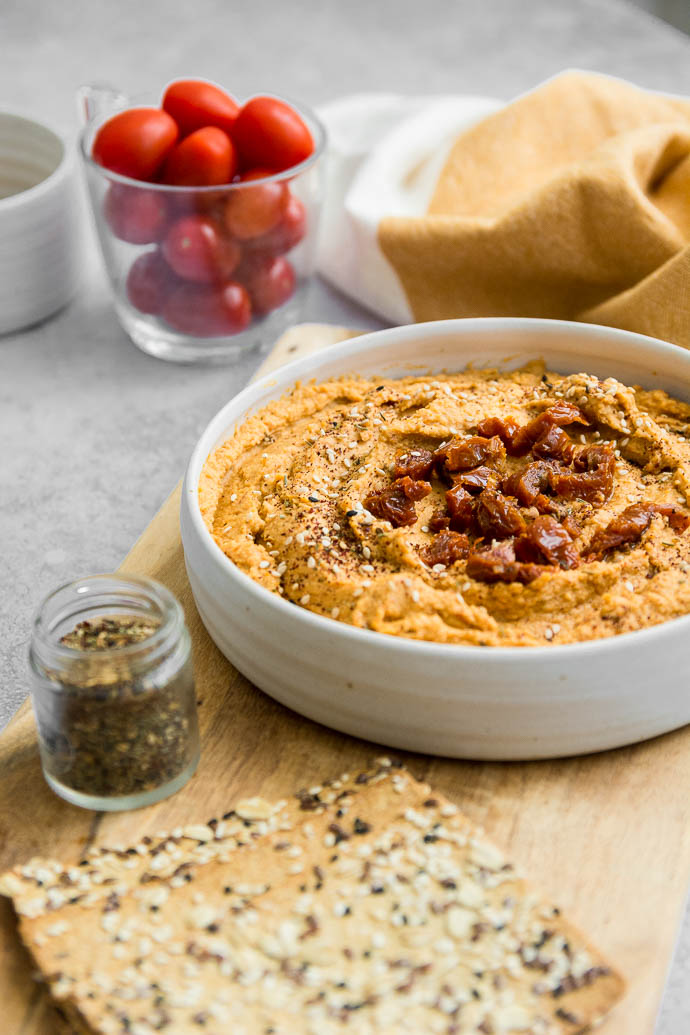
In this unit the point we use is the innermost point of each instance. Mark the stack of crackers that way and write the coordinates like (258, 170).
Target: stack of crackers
(369, 904)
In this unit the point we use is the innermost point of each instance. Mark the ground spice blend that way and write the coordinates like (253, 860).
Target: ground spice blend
(113, 693)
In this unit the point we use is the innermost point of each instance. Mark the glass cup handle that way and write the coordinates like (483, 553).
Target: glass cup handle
(94, 99)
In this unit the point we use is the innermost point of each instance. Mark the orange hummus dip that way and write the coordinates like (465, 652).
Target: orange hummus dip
(481, 508)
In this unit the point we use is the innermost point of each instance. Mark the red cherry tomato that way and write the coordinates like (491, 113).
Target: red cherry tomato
(149, 283)
(268, 132)
(206, 157)
(196, 251)
(270, 281)
(136, 142)
(135, 214)
(252, 211)
(228, 258)
(194, 103)
(288, 233)
(208, 311)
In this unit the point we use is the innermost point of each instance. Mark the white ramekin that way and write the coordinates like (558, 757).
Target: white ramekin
(40, 223)
(464, 702)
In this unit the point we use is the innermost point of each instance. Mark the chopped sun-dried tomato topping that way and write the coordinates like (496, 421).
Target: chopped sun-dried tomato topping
(593, 481)
(486, 503)
(416, 463)
(554, 444)
(547, 541)
(477, 480)
(462, 454)
(460, 508)
(497, 517)
(560, 414)
(628, 526)
(529, 483)
(446, 548)
(505, 427)
(497, 563)
(438, 522)
(395, 503)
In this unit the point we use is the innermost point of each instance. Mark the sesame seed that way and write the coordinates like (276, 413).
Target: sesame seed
(305, 599)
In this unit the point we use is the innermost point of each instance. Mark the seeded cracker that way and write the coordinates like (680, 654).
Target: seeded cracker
(367, 905)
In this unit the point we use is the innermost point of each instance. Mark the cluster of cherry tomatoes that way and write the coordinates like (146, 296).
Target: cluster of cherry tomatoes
(220, 255)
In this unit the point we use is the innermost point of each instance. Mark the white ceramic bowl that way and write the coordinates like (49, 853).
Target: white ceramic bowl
(40, 223)
(465, 702)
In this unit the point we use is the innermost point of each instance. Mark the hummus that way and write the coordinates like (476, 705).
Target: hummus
(380, 504)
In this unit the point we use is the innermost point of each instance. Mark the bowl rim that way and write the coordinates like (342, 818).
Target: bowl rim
(385, 641)
(64, 164)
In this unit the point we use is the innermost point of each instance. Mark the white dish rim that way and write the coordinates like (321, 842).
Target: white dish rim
(405, 644)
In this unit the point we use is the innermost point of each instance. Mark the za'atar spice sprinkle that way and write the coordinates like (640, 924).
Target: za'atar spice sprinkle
(114, 699)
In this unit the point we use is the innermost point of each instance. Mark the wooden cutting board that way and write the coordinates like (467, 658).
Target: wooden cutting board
(607, 836)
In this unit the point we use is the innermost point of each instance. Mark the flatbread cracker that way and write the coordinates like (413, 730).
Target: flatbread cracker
(367, 905)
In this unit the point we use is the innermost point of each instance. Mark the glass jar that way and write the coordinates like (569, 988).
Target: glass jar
(187, 281)
(113, 692)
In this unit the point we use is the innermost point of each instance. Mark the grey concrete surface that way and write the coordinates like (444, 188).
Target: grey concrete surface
(675, 12)
(93, 434)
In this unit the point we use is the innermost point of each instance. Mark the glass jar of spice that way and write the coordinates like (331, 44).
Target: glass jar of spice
(113, 692)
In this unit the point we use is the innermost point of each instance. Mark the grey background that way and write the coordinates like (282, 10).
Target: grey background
(677, 12)
(93, 434)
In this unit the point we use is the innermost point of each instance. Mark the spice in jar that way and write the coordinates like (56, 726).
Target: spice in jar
(114, 698)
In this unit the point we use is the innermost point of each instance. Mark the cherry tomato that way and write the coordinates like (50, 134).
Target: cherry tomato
(194, 103)
(268, 132)
(206, 157)
(196, 251)
(270, 281)
(252, 211)
(208, 311)
(288, 232)
(149, 282)
(135, 214)
(136, 142)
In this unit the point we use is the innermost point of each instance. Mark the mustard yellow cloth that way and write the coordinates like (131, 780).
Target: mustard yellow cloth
(573, 202)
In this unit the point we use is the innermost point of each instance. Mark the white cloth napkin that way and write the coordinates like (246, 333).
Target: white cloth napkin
(385, 155)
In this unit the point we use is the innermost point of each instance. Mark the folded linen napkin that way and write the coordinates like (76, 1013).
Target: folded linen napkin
(572, 202)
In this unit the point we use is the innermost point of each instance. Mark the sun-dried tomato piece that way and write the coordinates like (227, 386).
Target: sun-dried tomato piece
(438, 522)
(477, 480)
(497, 563)
(546, 540)
(560, 414)
(676, 518)
(462, 454)
(446, 548)
(554, 444)
(413, 489)
(416, 463)
(594, 483)
(629, 525)
(571, 526)
(526, 485)
(505, 427)
(460, 508)
(497, 517)
(396, 502)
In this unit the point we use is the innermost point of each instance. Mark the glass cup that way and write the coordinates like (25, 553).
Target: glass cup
(245, 285)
